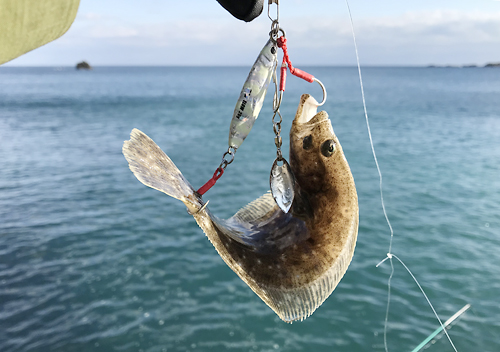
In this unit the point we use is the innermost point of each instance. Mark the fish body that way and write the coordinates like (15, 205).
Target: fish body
(252, 94)
(292, 261)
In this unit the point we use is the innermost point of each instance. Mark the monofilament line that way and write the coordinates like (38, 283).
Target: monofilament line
(427, 299)
(389, 254)
(368, 127)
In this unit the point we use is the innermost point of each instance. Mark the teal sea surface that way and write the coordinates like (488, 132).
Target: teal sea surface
(92, 260)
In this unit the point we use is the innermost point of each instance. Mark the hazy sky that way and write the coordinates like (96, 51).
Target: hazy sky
(201, 32)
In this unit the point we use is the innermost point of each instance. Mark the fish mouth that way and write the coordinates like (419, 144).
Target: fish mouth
(307, 165)
(307, 110)
(308, 118)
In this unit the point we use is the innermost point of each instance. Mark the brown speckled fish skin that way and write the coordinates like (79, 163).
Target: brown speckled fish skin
(291, 261)
(325, 187)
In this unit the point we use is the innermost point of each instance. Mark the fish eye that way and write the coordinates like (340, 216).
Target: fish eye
(328, 147)
(307, 142)
(273, 50)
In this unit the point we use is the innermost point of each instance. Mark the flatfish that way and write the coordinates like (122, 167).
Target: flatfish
(293, 261)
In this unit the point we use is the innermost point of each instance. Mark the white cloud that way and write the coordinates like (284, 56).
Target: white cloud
(91, 26)
(425, 37)
(415, 27)
(415, 38)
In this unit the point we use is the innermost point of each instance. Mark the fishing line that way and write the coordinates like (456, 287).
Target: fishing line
(426, 298)
(389, 254)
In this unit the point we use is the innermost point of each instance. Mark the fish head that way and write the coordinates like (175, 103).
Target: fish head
(315, 152)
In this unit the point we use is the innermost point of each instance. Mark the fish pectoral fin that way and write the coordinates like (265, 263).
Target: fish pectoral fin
(155, 169)
(257, 209)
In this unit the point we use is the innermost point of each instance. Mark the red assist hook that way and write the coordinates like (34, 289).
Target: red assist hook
(281, 42)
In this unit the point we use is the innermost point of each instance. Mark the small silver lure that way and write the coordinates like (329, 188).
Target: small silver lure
(282, 182)
(252, 94)
(281, 179)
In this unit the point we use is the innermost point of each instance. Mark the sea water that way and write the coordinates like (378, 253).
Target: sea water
(92, 260)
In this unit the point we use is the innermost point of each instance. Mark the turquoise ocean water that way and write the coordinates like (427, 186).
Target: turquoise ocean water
(92, 260)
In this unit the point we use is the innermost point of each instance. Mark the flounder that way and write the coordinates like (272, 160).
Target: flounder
(292, 261)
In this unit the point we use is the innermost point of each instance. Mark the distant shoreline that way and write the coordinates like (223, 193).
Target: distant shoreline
(488, 65)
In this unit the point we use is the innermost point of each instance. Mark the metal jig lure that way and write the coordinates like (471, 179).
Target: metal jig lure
(252, 94)
(250, 103)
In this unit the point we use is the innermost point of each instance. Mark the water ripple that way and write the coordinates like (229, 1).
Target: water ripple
(91, 260)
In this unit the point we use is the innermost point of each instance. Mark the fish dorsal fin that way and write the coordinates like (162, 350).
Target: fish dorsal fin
(259, 209)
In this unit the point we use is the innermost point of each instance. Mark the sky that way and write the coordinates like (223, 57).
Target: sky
(202, 33)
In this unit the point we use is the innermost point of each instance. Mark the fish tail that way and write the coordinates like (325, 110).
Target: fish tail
(154, 168)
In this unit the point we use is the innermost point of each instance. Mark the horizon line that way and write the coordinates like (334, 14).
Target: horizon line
(238, 66)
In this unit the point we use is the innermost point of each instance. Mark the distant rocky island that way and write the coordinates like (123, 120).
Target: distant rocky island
(84, 65)
(491, 64)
